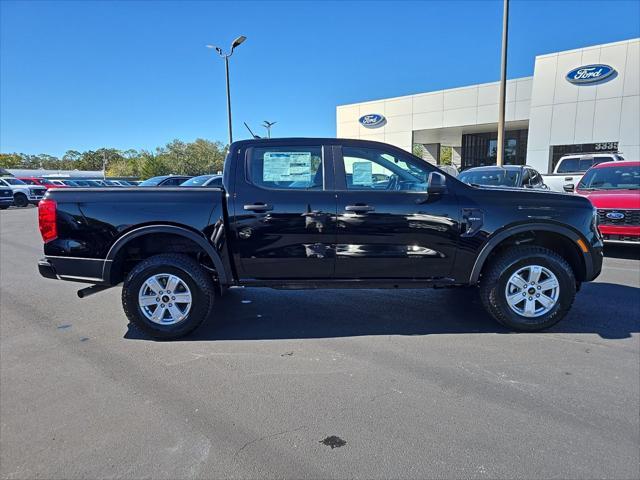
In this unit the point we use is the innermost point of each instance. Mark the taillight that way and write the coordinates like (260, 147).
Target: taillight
(47, 220)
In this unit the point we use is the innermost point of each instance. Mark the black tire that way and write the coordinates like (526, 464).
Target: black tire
(191, 273)
(494, 283)
(20, 200)
(4, 207)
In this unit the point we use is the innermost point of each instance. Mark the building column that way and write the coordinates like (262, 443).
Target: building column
(456, 156)
(431, 153)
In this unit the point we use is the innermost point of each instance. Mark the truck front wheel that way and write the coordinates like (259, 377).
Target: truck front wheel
(20, 200)
(168, 296)
(528, 288)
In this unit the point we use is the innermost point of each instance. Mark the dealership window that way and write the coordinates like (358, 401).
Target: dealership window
(480, 149)
(296, 168)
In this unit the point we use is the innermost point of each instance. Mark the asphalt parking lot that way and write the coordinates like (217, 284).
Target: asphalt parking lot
(413, 384)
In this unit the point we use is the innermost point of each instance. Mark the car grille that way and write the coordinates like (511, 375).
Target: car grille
(631, 217)
(38, 191)
(6, 193)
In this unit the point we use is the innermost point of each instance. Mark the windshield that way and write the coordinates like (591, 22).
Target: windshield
(495, 177)
(152, 182)
(612, 178)
(13, 181)
(196, 181)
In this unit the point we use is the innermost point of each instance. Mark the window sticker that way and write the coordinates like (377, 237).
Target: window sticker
(362, 173)
(287, 167)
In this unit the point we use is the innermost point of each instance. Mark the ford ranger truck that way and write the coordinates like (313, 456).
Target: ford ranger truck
(307, 213)
(614, 190)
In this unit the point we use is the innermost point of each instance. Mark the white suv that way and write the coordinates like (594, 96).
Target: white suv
(23, 194)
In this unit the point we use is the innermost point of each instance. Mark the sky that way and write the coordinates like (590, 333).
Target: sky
(87, 74)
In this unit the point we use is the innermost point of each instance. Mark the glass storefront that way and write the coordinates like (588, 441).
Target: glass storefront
(479, 149)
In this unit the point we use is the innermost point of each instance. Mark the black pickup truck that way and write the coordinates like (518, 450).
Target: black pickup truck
(321, 213)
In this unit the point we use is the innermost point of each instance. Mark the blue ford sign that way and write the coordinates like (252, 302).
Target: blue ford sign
(373, 120)
(591, 74)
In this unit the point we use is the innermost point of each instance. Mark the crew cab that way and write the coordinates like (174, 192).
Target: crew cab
(23, 194)
(309, 213)
(614, 189)
(570, 168)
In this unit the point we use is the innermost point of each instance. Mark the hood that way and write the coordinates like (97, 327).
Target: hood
(623, 199)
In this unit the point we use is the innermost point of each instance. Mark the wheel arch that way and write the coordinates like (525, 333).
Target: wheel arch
(109, 273)
(558, 238)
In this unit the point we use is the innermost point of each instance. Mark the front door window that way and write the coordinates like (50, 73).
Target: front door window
(372, 169)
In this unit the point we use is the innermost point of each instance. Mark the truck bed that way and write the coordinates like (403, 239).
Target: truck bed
(90, 221)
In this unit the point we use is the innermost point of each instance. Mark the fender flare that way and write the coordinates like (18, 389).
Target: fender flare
(493, 242)
(150, 229)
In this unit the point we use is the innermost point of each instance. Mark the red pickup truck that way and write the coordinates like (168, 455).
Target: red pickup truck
(614, 189)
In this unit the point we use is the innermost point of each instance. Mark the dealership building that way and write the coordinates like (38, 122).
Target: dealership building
(584, 100)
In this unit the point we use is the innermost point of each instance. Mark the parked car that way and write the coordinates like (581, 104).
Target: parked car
(70, 183)
(287, 218)
(570, 168)
(164, 181)
(203, 181)
(42, 182)
(450, 169)
(23, 194)
(614, 189)
(113, 183)
(6, 197)
(519, 176)
(96, 183)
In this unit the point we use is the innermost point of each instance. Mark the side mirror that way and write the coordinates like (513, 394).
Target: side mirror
(436, 183)
(569, 187)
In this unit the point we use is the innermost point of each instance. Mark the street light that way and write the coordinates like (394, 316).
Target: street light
(226, 56)
(267, 124)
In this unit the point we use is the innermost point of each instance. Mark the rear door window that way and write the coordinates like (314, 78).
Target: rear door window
(568, 165)
(286, 168)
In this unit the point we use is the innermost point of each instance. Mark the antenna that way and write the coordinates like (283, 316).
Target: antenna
(252, 134)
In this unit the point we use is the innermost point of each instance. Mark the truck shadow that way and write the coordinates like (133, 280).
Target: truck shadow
(609, 310)
(626, 252)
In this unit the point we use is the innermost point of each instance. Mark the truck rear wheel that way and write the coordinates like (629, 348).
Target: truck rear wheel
(168, 296)
(528, 288)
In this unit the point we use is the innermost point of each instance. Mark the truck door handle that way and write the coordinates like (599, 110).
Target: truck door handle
(258, 207)
(359, 208)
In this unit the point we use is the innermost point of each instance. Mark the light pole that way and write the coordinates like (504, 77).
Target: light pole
(267, 124)
(503, 84)
(226, 56)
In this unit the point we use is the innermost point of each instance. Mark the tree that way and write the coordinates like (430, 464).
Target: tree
(152, 165)
(10, 160)
(186, 158)
(445, 155)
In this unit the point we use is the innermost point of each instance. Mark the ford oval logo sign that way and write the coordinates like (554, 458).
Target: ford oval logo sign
(615, 215)
(591, 74)
(372, 120)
